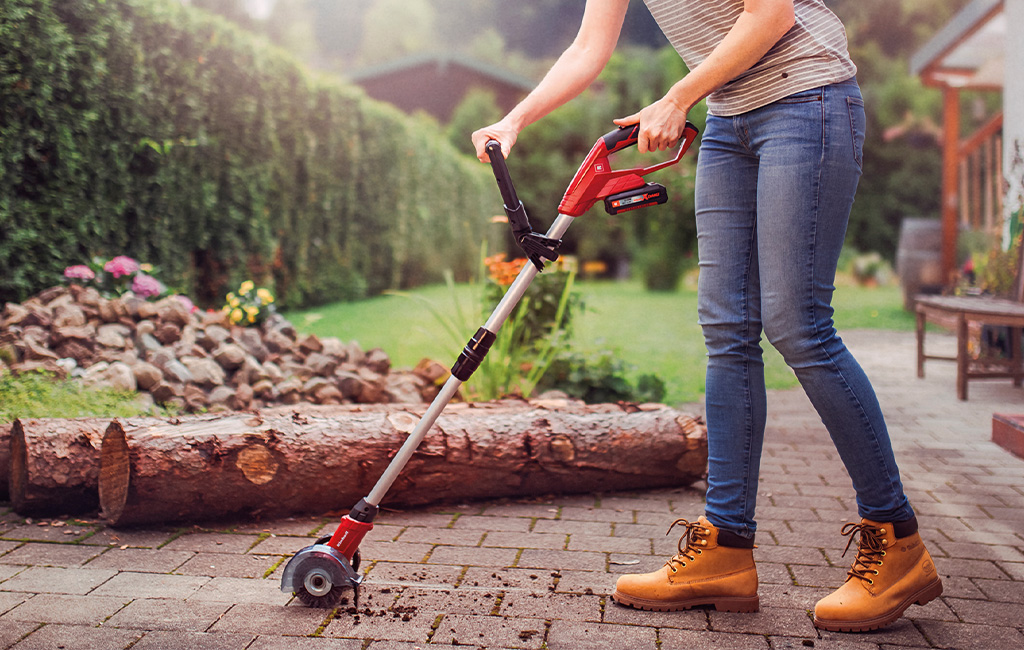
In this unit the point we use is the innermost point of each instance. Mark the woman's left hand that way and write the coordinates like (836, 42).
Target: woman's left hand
(661, 124)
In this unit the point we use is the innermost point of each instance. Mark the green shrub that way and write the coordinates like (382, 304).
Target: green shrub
(599, 378)
(155, 130)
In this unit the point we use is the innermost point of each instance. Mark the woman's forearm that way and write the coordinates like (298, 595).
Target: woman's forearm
(571, 74)
(574, 70)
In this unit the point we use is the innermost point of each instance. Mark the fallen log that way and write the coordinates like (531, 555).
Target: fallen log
(325, 459)
(54, 464)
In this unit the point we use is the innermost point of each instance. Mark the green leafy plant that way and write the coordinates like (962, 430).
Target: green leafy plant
(523, 352)
(534, 333)
(601, 377)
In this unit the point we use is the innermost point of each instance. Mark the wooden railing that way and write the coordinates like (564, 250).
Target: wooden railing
(981, 178)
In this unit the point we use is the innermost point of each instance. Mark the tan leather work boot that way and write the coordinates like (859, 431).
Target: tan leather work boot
(888, 576)
(702, 573)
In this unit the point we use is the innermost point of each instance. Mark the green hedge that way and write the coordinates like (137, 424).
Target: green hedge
(146, 128)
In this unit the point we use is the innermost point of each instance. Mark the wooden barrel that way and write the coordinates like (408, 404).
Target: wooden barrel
(919, 258)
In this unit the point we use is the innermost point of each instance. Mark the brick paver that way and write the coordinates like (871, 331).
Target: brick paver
(536, 573)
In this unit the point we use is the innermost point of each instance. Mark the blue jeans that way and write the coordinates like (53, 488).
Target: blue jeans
(774, 191)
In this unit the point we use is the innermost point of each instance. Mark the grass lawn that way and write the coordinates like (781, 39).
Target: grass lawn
(657, 332)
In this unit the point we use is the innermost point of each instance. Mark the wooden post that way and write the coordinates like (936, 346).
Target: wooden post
(950, 182)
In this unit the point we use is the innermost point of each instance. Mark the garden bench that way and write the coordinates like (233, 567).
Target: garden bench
(961, 312)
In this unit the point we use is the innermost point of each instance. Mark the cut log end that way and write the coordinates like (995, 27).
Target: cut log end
(115, 472)
(53, 464)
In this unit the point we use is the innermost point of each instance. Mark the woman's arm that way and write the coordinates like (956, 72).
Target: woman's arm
(759, 27)
(574, 70)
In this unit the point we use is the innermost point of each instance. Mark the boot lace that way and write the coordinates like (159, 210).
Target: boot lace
(870, 550)
(695, 535)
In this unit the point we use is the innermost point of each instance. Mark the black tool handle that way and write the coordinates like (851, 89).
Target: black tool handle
(622, 137)
(508, 191)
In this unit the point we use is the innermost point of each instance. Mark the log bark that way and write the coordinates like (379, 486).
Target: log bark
(327, 458)
(54, 465)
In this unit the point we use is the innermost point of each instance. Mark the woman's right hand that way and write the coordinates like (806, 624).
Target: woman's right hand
(501, 131)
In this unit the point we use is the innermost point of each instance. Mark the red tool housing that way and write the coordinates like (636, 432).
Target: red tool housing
(596, 179)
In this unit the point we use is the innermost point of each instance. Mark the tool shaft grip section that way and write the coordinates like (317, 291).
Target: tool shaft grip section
(508, 191)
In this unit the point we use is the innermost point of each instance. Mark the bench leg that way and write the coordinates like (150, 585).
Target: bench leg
(921, 322)
(961, 357)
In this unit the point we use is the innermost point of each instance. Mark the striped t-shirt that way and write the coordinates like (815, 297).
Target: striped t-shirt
(812, 53)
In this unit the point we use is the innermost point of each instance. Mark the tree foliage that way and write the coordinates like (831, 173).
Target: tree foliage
(146, 128)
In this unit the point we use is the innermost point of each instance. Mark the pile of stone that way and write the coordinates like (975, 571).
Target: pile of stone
(197, 360)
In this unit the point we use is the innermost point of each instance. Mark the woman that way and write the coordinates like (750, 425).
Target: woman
(778, 166)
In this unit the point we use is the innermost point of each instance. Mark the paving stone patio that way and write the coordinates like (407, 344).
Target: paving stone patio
(536, 574)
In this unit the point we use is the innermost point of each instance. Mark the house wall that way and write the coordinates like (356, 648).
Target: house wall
(1013, 109)
(436, 89)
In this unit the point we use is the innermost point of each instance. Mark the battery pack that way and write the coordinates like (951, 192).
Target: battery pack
(640, 197)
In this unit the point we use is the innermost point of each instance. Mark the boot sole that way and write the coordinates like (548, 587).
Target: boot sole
(722, 604)
(926, 595)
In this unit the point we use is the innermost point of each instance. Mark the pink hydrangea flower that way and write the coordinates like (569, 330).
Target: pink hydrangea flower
(145, 286)
(121, 265)
(79, 272)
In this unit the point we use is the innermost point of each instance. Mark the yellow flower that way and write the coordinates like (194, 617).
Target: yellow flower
(246, 287)
(236, 315)
(265, 296)
(146, 268)
(251, 311)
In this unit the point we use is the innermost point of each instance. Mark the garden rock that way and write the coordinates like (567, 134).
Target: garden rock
(66, 315)
(212, 336)
(252, 343)
(277, 342)
(14, 314)
(148, 343)
(243, 397)
(168, 333)
(176, 371)
(327, 394)
(117, 375)
(196, 360)
(229, 356)
(112, 336)
(310, 343)
(322, 364)
(205, 372)
(195, 397)
(378, 361)
(146, 375)
(221, 395)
